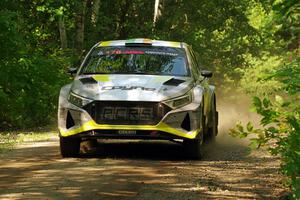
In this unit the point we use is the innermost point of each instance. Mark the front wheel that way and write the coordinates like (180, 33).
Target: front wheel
(69, 147)
(193, 147)
(213, 130)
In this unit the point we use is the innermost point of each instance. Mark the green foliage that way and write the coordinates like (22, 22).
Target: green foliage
(275, 85)
(218, 30)
(30, 73)
(280, 122)
(255, 79)
(248, 41)
(30, 87)
(289, 76)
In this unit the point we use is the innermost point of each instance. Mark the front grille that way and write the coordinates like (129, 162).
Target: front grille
(126, 112)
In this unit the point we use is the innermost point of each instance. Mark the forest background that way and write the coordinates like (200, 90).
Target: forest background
(252, 46)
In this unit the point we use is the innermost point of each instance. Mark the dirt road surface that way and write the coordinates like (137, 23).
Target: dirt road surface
(139, 170)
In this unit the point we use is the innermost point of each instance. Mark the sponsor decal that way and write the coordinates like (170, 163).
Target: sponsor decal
(137, 52)
(161, 53)
(118, 51)
(133, 52)
(126, 88)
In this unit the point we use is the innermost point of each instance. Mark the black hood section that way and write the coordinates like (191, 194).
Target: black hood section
(88, 80)
(173, 82)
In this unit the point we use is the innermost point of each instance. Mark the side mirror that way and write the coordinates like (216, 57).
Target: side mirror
(72, 71)
(206, 73)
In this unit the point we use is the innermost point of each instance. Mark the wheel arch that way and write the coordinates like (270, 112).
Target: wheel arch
(209, 103)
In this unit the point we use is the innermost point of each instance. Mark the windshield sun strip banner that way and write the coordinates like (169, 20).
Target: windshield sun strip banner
(135, 52)
(139, 41)
(145, 41)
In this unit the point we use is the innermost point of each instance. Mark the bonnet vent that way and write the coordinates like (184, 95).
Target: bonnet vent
(173, 82)
(88, 80)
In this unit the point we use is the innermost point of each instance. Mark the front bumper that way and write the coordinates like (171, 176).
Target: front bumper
(184, 122)
(180, 123)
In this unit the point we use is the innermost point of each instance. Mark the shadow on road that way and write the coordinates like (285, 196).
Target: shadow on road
(163, 150)
(136, 170)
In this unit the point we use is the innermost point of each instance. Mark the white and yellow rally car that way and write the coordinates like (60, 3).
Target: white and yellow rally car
(138, 89)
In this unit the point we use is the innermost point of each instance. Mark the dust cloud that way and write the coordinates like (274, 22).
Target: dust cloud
(231, 110)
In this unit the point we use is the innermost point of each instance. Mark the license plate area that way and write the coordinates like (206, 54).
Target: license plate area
(127, 132)
(127, 113)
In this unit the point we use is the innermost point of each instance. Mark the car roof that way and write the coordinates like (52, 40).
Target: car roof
(142, 41)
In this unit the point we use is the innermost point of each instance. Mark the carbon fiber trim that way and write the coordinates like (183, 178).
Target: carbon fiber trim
(114, 134)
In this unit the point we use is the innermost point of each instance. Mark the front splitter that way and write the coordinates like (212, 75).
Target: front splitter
(92, 125)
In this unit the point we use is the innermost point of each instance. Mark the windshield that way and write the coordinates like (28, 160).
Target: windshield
(136, 60)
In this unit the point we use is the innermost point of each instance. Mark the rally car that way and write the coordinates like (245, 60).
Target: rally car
(138, 89)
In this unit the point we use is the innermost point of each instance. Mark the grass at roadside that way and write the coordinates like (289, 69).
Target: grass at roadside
(8, 140)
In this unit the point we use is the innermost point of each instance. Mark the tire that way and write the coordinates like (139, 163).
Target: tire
(193, 148)
(69, 147)
(213, 130)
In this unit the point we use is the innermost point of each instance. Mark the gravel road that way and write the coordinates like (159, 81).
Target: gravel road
(139, 170)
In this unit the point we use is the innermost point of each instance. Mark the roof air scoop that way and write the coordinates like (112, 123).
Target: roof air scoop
(139, 42)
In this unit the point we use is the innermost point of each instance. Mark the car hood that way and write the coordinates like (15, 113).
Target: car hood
(116, 87)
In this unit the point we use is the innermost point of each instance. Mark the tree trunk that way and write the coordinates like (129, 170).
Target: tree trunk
(79, 26)
(157, 10)
(62, 33)
(95, 12)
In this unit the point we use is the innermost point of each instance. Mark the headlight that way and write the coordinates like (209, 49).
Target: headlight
(180, 101)
(78, 100)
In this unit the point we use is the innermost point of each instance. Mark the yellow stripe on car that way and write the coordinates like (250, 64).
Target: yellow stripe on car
(92, 125)
(101, 78)
(105, 43)
(166, 43)
(174, 44)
